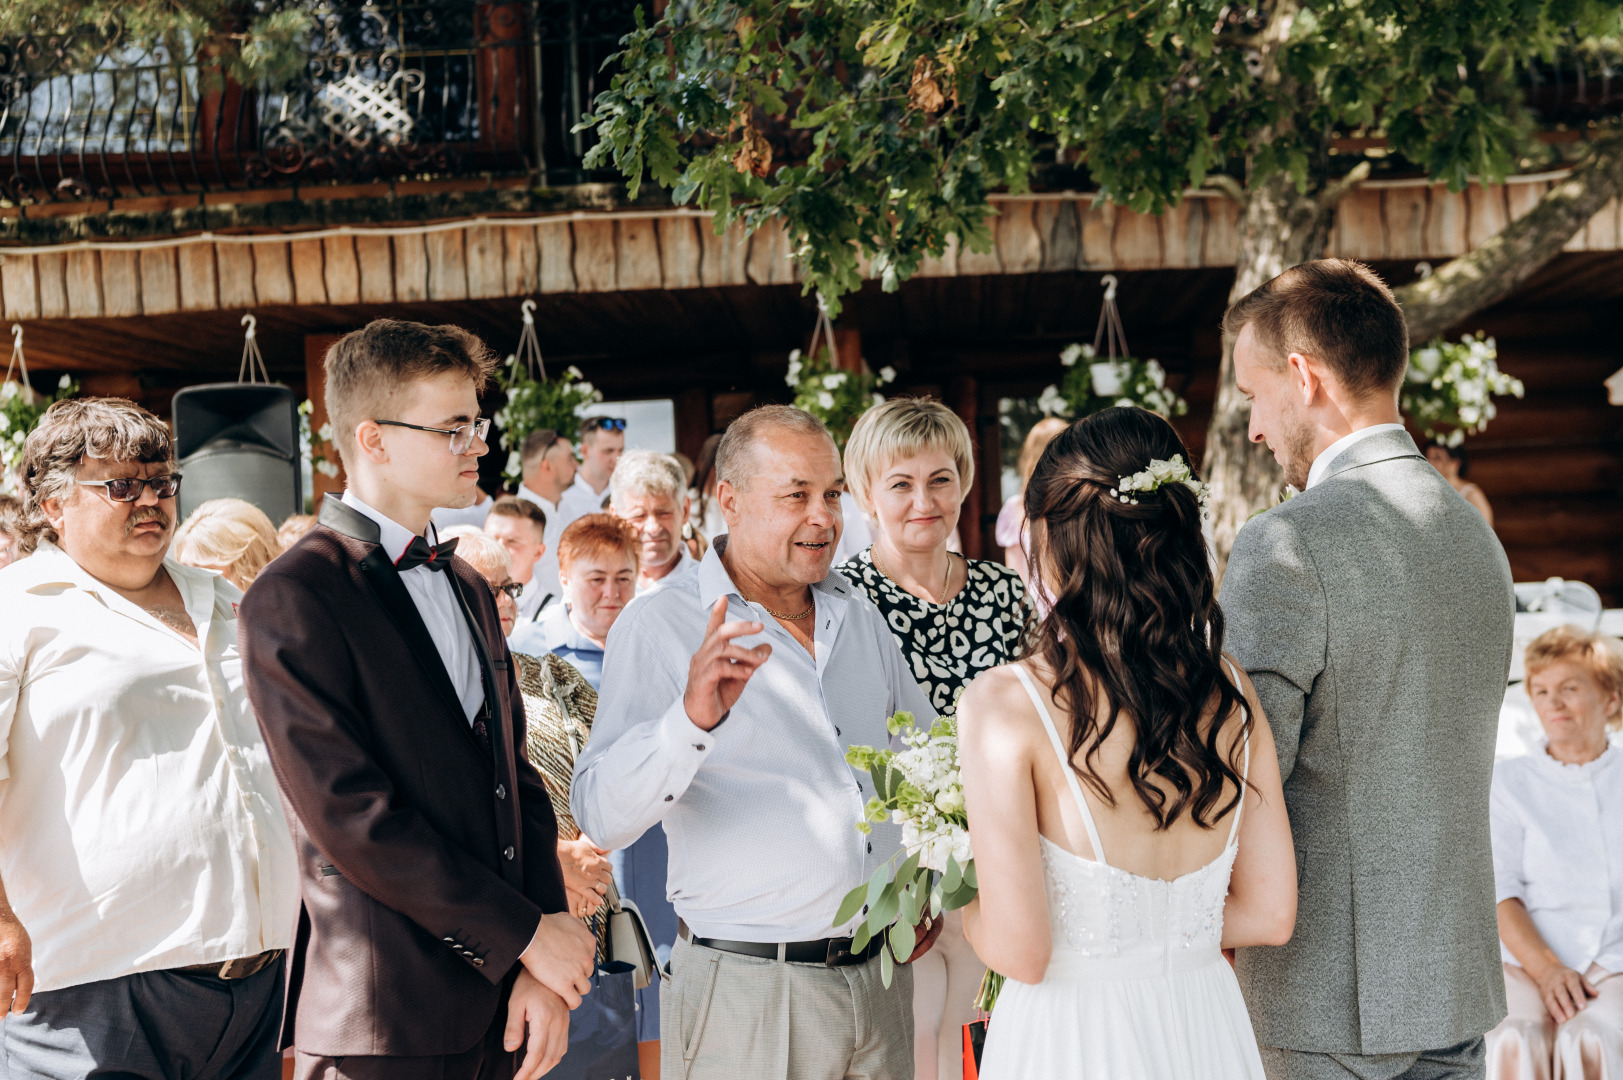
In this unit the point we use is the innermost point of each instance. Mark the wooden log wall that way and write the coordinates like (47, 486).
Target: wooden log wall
(609, 251)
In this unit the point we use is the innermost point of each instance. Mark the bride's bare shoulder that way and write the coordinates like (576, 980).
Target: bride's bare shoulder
(995, 707)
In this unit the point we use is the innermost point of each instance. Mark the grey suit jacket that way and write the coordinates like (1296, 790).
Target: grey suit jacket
(1374, 613)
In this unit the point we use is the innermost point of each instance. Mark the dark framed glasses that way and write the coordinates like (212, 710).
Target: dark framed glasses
(128, 488)
(604, 423)
(513, 589)
(462, 435)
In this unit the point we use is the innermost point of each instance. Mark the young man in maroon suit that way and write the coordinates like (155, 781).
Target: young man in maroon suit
(434, 938)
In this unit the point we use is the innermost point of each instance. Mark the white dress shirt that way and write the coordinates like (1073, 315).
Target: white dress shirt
(579, 499)
(761, 813)
(1321, 464)
(431, 591)
(685, 564)
(444, 517)
(1558, 848)
(140, 827)
(544, 578)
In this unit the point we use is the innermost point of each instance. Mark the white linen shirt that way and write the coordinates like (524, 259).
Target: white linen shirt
(431, 591)
(1321, 464)
(544, 577)
(1558, 848)
(760, 813)
(140, 827)
(578, 499)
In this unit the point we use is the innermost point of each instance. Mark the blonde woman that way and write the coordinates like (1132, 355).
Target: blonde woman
(1557, 819)
(908, 464)
(229, 536)
(1011, 520)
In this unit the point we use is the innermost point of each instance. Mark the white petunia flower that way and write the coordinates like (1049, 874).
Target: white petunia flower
(825, 399)
(834, 380)
(1068, 355)
(887, 374)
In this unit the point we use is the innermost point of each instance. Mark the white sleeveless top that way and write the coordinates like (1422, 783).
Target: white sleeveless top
(1137, 985)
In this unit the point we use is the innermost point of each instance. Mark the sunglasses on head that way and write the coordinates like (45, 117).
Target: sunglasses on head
(128, 488)
(605, 423)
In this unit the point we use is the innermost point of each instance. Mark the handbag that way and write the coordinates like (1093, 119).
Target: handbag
(974, 1043)
(629, 941)
(603, 1031)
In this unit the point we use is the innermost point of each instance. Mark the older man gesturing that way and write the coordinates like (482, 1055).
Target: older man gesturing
(733, 734)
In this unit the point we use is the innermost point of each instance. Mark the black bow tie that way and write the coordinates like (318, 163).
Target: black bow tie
(421, 553)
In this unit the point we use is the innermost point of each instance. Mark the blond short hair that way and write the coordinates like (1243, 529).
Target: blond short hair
(1600, 653)
(643, 472)
(232, 533)
(479, 550)
(900, 428)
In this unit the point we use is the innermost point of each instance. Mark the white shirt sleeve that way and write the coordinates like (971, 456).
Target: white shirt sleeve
(1509, 834)
(644, 751)
(11, 682)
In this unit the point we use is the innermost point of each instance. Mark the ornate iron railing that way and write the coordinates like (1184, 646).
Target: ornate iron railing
(392, 89)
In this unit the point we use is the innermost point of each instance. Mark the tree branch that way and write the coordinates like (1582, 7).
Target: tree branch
(1505, 261)
(1226, 184)
(1337, 190)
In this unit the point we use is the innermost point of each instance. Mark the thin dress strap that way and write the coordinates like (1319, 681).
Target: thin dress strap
(1064, 760)
(1245, 772)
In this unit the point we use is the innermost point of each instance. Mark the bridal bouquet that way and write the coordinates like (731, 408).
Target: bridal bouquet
(919, 788)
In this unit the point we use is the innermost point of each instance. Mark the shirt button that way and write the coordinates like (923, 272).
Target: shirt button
(836, 731)
(669, 798)
(870, 847)
(507, 852)
(501, 791)
(698, 746)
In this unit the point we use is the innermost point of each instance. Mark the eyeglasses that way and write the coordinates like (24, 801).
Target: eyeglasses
(128, 488)
(513, 589)
(462, 435)
(605, 423)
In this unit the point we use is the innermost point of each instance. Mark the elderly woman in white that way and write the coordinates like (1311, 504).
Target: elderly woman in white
(1557, 818)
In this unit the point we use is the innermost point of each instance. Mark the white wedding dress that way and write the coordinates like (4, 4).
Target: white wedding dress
(1137, 988)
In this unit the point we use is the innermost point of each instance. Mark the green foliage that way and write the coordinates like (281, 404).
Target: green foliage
(835, 397)
(1450, 387)
(20, 411)
(1099, 384)
(260, 40)
(900, 117)
(536, 403)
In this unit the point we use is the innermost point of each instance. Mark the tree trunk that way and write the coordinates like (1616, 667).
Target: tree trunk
(1505, 262)
(1279, 227)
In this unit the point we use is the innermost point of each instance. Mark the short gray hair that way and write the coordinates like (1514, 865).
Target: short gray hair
(479, 550)
(644, 472)
(113, 428)
(734, 456)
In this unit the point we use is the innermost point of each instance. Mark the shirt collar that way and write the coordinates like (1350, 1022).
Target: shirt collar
(714, 581)
(1321, 464)
(539, 499)
(50, 565)
(561, 633)
(685, 562)
(393, 537)
(1577, 773)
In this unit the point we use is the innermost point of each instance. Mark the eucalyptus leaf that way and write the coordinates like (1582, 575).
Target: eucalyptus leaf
(954, 875)
(851, 905)
(887, 967)
(902, 940)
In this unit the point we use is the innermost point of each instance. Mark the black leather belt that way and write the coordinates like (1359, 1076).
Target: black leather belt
(240, 968)
(830, 952)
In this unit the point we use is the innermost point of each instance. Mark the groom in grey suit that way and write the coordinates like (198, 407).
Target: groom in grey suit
(1373, 612)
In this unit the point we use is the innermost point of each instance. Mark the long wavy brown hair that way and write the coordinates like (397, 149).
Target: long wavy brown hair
(1134, 624)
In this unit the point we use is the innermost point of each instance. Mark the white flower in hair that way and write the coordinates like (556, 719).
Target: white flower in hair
(1158, 475)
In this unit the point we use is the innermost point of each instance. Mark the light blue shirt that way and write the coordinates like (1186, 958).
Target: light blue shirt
(554, 633)
(761, 812)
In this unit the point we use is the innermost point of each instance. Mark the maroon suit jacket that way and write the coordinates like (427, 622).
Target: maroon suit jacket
(425, 861)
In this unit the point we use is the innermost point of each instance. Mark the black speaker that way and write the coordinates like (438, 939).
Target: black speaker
(239, 440)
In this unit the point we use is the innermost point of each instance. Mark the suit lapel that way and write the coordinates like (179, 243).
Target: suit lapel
(386, 585)
(1383, 447)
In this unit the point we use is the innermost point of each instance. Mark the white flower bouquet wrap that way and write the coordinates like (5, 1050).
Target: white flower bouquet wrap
(920, 789)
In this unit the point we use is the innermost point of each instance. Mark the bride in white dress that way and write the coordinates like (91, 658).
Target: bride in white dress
(1116, 856)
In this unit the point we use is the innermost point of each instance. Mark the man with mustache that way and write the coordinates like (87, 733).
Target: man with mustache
(147, 879)
(730, 697)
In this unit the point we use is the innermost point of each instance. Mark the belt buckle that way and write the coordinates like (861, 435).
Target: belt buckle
(244, 966)
(839, 949)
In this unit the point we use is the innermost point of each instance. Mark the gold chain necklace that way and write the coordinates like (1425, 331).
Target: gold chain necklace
(873, 553)
(792, 618)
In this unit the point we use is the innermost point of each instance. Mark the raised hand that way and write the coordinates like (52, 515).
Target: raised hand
(719, 671)
(561, 957)
(587, 875)
(16, 962)
(532, 1006)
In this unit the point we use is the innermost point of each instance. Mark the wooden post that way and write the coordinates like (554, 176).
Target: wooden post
(964, 397)
(315, 379)
(692, 420)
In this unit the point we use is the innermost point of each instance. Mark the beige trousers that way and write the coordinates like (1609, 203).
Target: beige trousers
(944, 983)
(728, 1017)
(1529, 1045)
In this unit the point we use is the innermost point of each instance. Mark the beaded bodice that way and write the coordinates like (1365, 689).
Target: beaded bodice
(1097, 910)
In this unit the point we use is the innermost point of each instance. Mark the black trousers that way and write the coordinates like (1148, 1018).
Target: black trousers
(485, 1061)
(158, 1025)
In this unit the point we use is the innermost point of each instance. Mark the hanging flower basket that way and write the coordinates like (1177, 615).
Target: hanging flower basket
(1450, 387)
(21, 407)
(535, 402)
(822, 388)
(1117, 379)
